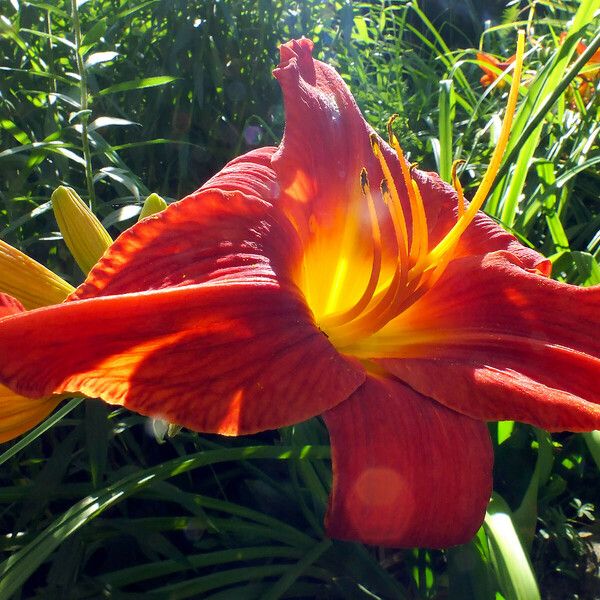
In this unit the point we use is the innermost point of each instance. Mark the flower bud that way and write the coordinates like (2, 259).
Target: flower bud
(83, 233)
(153, 204)
(28, 281)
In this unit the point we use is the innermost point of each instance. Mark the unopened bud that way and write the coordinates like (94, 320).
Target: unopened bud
(28, 281)
(83, 233)
(153, 204)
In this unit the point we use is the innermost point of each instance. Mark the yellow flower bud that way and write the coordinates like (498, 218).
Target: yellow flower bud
(28, 281)
(83, 233)
(154, 204)
(18, 413)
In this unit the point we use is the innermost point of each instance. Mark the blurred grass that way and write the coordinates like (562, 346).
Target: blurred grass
(162, 94)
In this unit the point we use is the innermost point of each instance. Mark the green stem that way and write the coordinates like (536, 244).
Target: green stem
(85, 142)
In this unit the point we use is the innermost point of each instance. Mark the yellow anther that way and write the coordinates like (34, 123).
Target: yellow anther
(390, 131)
(364, 181)
(458, 187)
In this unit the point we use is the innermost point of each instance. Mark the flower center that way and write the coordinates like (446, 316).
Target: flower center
(417, 266)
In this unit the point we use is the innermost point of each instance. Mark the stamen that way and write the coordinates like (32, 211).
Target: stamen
(419, 241)
(395, 205)
(416, 268)
(451, 238)
(458, 187)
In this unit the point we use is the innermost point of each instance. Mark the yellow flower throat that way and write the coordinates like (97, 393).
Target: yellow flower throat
(355, 296)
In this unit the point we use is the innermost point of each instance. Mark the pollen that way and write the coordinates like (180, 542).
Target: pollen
(416, 264)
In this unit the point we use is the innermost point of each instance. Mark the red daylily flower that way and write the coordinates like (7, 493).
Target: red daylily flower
(591, 72)
(492, 68)
(286, 287)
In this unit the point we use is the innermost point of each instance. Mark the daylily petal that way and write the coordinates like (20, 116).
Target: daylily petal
(19, 413)
(192, 315)
(495, 341)
(227, 230)
(406, 470)
(325, 146)
(490, 75)
(229, 358)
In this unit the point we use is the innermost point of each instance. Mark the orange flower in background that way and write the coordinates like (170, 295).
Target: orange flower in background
(325, 277)
(492, 68)
(591, 72)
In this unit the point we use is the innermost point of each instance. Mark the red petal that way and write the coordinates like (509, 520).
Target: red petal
(9, 305)
(230, 358)
(193, 314)
(495, 341)
(227, 230)
(325, 145)
(406, 470)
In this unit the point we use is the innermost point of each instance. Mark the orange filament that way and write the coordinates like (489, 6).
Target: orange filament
(419, 241)
(391, 194)
(417, 267)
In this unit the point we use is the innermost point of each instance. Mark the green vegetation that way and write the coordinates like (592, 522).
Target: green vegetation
(121, 98)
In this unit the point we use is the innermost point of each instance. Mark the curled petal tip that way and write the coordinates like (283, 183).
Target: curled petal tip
(294, 56)
(295, 49)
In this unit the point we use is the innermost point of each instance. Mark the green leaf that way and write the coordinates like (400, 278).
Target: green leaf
(110, 122)
(41, 428)
(588, 268)
(137, 84)
(98, 58)
(525, 517)
(470, 572)
(17, 568)
(93, 35)
(362, 31)
(513, 569)
(545, 170)
(446, 108)
(592, 439)
(293, 572)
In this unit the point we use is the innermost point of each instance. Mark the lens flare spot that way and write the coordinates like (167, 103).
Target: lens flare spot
(379, 487)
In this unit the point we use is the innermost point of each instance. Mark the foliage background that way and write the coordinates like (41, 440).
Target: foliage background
(120, 98)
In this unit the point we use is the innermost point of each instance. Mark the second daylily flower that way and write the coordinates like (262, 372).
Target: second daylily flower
(326, 277)
(493, 68)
